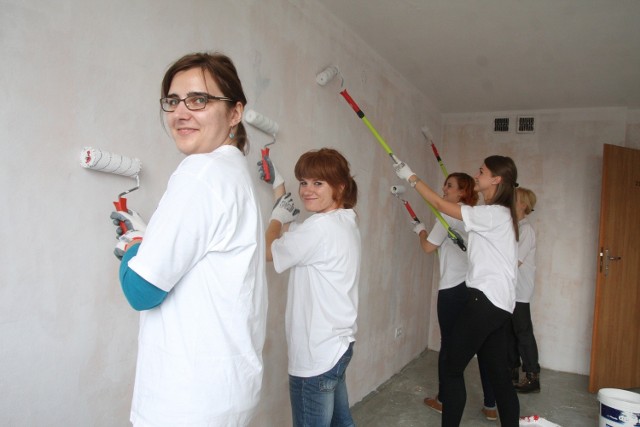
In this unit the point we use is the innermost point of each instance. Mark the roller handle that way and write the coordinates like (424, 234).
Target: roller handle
(121, 206)
(265, 165)
(351, 102)
(411, 212)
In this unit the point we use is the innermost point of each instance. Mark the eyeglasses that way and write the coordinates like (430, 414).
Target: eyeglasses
(192, 102)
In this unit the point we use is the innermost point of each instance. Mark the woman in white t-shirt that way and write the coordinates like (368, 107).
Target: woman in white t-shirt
(197, 273)
(323, 256)
(482, 325)
(523, 343)
(452, 289)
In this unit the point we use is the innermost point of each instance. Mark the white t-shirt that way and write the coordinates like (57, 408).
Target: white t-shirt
(323, 254)
(453, 260)
(526, 255)
(492, 252)
(200, 351)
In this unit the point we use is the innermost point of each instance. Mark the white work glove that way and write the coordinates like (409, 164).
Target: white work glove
(125, 241)
(131, 219)
(403, 170)
(418, 227)
(284, 210)
(275, 179)
(135, 230)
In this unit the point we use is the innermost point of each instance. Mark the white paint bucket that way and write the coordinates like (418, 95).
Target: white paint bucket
(619, 408)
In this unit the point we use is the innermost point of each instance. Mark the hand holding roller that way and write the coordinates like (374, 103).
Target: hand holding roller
(267, 126)
(105, 161)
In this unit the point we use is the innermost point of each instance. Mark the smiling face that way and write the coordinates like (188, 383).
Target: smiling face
(451, 192)
(200, 131)
(486, 183)
(317, 196)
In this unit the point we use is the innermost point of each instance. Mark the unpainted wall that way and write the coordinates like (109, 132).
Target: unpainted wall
(88, 73)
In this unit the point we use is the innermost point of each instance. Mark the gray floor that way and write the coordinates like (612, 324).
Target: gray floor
(564, 399)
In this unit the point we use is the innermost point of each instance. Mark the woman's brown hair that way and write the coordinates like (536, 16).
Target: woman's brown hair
(224, 73)
(327, 164)
(466, 184)
(505, 194)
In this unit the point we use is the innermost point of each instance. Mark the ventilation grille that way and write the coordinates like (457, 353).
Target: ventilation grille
(526, 124)
(501, 124)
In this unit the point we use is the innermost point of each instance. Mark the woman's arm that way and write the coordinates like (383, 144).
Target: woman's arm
(141, 294)
(452, 209)
(427, 246)
(444, 206)
(275, 228)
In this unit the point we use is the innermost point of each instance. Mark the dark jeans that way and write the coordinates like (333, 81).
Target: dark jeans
(480, 329)
(451, 302)
(522, 342)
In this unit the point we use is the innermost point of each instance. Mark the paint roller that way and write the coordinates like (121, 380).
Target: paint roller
(328, 74)
(396, 190)
(267, 126)
(429, 138)
(105, 161)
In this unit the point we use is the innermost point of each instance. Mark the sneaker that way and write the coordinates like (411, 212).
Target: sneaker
(490, 413)
(433, 403)
(529, 384)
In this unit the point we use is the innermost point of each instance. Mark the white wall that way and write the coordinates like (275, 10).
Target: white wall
(561, 162)
(77, 73)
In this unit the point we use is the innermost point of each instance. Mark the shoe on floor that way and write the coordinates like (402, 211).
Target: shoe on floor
(433, 403)
(490, 414)
(529, 384)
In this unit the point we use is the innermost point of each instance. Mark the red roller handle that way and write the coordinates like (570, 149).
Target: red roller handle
(411, 212)
(351, 102)
(265, 166)
(121, 206)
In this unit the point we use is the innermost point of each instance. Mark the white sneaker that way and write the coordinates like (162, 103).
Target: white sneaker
(536, 421)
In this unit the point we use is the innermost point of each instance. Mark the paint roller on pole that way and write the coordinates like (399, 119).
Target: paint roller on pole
(427, 135)
(105, 161)
(323, 78)
(429, 138)
(396, 190)
(267, 126)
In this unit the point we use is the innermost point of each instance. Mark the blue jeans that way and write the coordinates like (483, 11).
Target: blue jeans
(322, 401)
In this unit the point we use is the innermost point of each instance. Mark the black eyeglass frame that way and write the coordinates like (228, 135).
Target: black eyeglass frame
(208, 97)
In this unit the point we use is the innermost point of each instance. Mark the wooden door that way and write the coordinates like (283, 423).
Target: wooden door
(615, 347)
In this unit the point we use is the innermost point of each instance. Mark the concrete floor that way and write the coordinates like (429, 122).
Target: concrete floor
(564, 399)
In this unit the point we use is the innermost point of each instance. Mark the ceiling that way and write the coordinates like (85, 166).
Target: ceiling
(504, 55)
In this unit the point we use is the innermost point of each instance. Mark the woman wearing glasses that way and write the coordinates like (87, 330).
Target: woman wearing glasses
(196, 272)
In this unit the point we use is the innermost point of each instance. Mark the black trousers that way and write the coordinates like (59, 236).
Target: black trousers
(481, 328)
(522, 342)
(451, 302)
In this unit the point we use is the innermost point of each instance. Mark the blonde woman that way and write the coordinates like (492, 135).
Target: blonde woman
(523, 346)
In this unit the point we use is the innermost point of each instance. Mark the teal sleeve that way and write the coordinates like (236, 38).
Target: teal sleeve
(141, 294)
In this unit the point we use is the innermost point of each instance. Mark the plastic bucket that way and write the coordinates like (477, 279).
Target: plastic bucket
(619, 408)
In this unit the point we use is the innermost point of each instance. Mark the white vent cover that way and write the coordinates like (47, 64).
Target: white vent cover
(526, 124)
